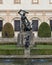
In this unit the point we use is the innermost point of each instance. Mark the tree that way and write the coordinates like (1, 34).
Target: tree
(44, 30)
(7, 31)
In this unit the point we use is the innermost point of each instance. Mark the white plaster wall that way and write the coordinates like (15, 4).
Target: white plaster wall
(26, 4)
(0, 34)
(35, 34)
(16, 34)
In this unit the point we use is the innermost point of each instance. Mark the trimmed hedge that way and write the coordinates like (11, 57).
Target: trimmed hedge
(12, 52)
(7, 31)
(9, 43)
(44, 30)
(43, 43)
(41, 51)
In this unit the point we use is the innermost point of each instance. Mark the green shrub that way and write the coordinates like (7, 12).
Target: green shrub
(41, 51)
(44, 30)
(7, 31)
(8, 43)
(11, 51)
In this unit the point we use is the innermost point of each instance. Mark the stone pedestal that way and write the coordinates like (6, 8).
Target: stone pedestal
(23, 35)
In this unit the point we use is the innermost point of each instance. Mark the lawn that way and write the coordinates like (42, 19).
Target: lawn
(11, 50)
(41, 51)
(43, 46)
(10, 47)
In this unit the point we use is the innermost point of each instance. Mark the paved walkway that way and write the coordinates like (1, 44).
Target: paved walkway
(42, 39)
(23, 56)
(2, 40)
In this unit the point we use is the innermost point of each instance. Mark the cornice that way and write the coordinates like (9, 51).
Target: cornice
(26, 10)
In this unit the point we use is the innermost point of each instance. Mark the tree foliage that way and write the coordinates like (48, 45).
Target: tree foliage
(44, 30)
(7, 31)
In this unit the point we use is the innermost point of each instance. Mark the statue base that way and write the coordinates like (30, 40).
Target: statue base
(22, 38)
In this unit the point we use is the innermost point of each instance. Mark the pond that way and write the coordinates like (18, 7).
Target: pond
(25, 61)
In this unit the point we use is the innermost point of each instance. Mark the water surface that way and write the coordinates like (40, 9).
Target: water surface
(25, 61)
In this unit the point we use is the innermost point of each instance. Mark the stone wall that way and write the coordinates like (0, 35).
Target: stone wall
(40, 15)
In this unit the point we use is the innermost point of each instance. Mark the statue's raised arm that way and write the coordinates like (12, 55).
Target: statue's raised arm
(24, 20)
(21, 12)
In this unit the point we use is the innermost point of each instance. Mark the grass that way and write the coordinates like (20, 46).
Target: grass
(41, 51)
(10, 47)
(11, 50)
(9, 43)
(43, 46)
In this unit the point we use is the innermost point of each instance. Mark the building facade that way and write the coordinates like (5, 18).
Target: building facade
(39, 11)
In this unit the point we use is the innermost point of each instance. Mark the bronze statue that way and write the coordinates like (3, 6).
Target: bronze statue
(27, 43)
(25, 21)
(27, 27)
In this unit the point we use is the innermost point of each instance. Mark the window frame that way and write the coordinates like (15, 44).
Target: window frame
(50, 2)
(35, 2)
(50, 24)
(36, 29)
(1, 1)
(17, 1)
(1, 25)
(17, 30)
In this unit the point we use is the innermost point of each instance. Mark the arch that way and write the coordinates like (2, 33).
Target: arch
(50, 18)
(1, 23)
(34, 18)
(1, 18)
(35, 23)
(50, 23)
(16, 23)
(7, 30)
(16, 18)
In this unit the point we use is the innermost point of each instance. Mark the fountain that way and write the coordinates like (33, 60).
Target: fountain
(25, 37)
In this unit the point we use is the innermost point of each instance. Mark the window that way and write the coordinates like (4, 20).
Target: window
(1, 1)
(50, 1)
(1, 24)
(17, 25)
(17, 1)
(35, 1)
(35, 25)
(51, 24)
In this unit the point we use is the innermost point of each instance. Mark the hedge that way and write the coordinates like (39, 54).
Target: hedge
(12, 52)
(41, 51)
(44, 30)
(9, 43)
(7, 31)
(43, 43)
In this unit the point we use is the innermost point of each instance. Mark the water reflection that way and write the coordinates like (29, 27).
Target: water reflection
(25, 61)
(39, 60)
